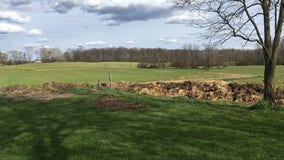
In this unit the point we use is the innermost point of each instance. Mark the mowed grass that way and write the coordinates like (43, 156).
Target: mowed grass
(33, 74)
(171, 128)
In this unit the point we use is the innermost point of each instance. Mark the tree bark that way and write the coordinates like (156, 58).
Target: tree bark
(269, 90)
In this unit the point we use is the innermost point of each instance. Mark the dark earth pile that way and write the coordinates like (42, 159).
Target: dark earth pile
(215, 90)
(46, 91)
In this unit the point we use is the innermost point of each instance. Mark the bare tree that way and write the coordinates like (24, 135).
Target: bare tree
(17, 57)
(51, 55)
(3, 58)
(29, 50)
(258, 21)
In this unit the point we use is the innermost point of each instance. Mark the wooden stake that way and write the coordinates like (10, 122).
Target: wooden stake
(110, 77)
(99, 83)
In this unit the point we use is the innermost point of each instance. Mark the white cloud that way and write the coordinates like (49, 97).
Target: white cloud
(30, 45)
(111, 23)
(63, 6)
(129, 42)
(114, 12)
(44, 47)
(184, 17)
(101, 4)
(10, 28)
(168, 40)
(11, 16)
(19, 2)
(120, 11)
(77, 46)
(42, 40)
(96, 43)
(34, 32)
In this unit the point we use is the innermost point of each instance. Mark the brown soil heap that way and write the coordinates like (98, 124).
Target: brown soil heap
(215, 90)
(46, 91)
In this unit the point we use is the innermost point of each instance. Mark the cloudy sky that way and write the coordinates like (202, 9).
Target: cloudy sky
(96, 23)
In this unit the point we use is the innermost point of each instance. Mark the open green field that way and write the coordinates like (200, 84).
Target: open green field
(75, 128)
(171, 128)
(32, 74)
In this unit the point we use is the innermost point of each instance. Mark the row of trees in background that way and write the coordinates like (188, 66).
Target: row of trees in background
(178, 58)
(188, 57)
(30, 55)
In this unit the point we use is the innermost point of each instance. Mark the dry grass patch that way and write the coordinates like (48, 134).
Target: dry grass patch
(42, 96)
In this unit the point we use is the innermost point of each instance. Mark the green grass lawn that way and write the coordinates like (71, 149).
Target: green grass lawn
(33, 74)
(172, 128)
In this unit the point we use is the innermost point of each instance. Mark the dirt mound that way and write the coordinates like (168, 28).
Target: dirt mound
(42, 96)
(113, 103)
(46, 91)
(49, 87)
(214, 90)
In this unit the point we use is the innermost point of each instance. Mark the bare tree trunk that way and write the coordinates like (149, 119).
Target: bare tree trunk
(269, 91)
(268, 83)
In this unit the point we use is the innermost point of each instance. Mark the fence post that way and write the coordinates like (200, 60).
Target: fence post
(99, 82)
(110, 77)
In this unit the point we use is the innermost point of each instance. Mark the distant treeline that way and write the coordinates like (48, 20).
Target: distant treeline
(146, 57)
(178, 58)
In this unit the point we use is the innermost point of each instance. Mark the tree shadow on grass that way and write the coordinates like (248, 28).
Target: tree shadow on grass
(36, 128)
(49, 145)
(173, 128)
